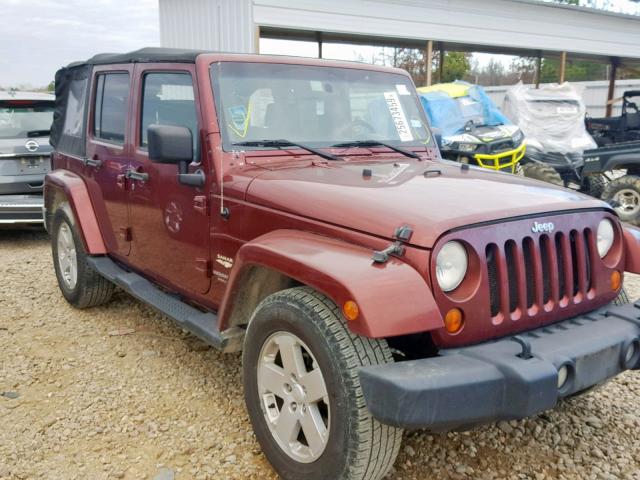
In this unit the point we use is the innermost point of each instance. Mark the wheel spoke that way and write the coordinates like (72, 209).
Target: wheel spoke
(291, 355)
(314, 385)
(271, 378)
(314, 429)
(287, 425)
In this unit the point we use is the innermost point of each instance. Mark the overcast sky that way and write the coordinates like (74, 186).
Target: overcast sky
(39, 36)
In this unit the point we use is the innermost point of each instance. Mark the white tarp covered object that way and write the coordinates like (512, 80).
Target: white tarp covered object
(551, 117)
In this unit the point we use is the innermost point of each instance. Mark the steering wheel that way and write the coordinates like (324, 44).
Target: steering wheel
(356, 129)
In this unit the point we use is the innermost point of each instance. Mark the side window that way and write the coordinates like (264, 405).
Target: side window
(168, 99)
(111, 103)
(74, 114)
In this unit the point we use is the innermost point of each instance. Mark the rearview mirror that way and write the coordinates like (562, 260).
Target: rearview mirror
(169, 144)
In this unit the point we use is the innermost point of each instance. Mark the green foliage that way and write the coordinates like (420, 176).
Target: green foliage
(575, 71)
(51, 87)
(456, 66)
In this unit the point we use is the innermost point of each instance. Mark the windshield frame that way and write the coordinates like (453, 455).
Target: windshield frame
(229, 147)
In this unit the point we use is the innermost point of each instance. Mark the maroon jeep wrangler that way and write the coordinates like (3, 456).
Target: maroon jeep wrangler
(299, 210)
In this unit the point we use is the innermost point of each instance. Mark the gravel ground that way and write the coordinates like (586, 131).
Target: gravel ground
(120, 392)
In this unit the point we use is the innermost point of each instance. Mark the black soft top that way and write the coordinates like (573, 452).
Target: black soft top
(72, 92)
(143, 55)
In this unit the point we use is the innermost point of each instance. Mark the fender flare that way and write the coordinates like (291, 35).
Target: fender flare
(74, 190)
(631, 237)
(393, 298)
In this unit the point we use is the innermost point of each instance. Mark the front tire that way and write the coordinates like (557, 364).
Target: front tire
(80, 284)
(594, 185)
(303, 393)
(543, 172)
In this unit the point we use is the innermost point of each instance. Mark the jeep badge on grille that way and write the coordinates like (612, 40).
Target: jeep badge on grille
(543, 227)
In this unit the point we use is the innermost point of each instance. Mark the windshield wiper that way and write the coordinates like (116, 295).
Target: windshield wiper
(285, 143)
(38, 133)
(375, 143)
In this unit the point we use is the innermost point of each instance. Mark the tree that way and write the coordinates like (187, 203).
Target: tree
(51, 87)
(456, 66)
(575, 71)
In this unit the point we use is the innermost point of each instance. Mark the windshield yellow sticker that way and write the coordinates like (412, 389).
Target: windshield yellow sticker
(398, 116)
(240, 117)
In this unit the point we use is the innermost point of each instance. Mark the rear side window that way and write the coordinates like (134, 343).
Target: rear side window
(111, 103)
(168, 99)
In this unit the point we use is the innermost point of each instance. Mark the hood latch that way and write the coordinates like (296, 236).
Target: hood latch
(402, 234)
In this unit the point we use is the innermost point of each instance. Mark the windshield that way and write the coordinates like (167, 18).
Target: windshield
(25, 118)
(315, 106)
(471, 110)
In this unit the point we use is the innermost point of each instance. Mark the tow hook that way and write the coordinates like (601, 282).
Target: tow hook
(402, 234)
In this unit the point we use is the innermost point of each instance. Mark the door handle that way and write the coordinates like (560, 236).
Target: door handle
(135, 175)
(93, 162)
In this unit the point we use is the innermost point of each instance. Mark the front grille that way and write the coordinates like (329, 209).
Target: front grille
(539, 272)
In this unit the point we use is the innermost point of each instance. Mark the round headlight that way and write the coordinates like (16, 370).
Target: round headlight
(605, 237)
(451, 265)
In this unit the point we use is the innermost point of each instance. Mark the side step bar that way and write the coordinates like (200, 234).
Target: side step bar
(202, 324)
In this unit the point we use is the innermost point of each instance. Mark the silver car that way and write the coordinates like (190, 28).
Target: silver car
(25, 122)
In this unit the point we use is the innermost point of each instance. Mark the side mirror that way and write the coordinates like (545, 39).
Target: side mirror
(169, 144)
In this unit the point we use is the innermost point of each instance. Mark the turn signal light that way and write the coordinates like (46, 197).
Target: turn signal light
(350, 310)
(616, 280)
(453, 320)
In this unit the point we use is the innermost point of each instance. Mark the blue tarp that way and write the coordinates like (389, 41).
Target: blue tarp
(446, 113)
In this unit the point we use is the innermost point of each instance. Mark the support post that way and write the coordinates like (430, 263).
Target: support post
(441, 64)
(612, 85)
(256, 39)
(428, 61)
(538, 69)
(563, 65)
(319, 39)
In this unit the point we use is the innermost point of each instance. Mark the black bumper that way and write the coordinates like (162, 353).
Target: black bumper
(494, 381)
(21, 209)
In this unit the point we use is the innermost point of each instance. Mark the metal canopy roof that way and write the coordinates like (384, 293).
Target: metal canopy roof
(516, 27)
(512, 27)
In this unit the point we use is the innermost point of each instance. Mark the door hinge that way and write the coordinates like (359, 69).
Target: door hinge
(203, 265)
(125, 232)
(200, 204)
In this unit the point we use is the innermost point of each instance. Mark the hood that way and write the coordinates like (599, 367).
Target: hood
(431, 197)
(18, 146)
(483, 134)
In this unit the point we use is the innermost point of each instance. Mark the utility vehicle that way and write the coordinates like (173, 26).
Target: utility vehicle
(471, 129)
(623, 128)
(25, 119)
(552, 118)
(299, 210)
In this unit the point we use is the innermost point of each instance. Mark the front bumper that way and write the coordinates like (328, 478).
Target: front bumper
(21, 209)
(505, 161)
(495, 381)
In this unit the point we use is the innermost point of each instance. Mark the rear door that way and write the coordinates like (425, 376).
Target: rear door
(108, 154)
(170, 221)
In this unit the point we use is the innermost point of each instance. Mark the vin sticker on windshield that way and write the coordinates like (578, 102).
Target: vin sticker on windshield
(399, 118)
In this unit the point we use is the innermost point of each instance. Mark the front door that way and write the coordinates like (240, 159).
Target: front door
(108, 154)
(170, 227)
